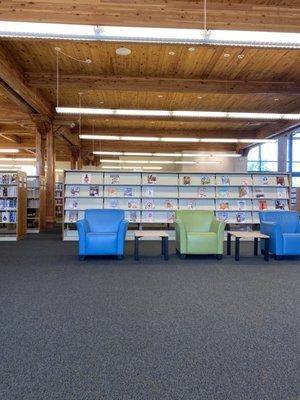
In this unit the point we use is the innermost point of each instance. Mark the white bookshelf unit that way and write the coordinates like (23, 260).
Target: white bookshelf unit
(36, 188)
(59, 202)
(12, 205)
(153, 197)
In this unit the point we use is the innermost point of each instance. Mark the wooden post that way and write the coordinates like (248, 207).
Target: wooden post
(79, 160)
(40, 153)
(73, 161)
(50, 185)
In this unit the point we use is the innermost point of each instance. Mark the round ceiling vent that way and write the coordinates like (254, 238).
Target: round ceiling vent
(123, 51)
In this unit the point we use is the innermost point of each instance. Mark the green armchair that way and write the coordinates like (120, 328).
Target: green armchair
(199, 232)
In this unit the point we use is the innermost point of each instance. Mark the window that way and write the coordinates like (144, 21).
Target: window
(293, 163)
(263, 157)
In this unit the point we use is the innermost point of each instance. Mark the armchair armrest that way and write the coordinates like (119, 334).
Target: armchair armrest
(82, 228)
(181, 240)
(121, 236)
(218, 227)
(270, 228)
(298, 226)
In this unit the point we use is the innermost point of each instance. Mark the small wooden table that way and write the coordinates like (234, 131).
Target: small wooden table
(247, 235)
(150, 234)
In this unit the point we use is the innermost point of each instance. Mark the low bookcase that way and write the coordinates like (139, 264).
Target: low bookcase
(36, 203)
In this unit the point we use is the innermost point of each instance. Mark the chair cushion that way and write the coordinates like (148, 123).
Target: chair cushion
(291, 243)
(201, 242)
(101, 243)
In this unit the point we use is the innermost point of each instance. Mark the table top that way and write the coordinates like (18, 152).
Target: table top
(248, 234)
(148, 233)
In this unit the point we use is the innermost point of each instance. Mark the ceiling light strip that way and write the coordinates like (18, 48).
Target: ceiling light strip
(149, 35)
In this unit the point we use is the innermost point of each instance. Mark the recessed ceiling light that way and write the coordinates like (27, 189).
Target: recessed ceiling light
(123, 51)
(101, 102)
(199, 97)
(241, 56)
(171, 53)
(276, 99)
(226, 55)
(160, 96)
(88, 61)
(192, 48)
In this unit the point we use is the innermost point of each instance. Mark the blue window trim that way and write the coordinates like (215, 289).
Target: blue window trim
(290, 154)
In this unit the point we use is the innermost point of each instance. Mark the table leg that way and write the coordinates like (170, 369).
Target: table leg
(162, 246)
(255, 246)
(228, 244)
(266, 253)
(166, 248)
(237, 249)
(136, 248)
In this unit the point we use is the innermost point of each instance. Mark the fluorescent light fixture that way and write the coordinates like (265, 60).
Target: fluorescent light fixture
(99, 137)
(110, 161)
(177, 114)
(110, 153)
(185, 162)
(257, 140)
(140, 138)
(126, 153)
(135, 161)
(110, 167)
(152, 168)
(167, 154)
(149, 35)
(235, 155)
(9, 151)
(221, 140)
(209, 162)
(196, 155)
(10, 159)
(161, 162)
(183, 140)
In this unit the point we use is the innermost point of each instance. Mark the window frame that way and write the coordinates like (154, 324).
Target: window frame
(291, 140)
(260, 161)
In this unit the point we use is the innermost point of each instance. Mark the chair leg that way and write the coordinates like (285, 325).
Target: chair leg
(81, 258)
(219, 256)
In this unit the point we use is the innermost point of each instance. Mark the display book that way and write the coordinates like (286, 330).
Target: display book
(12, 205)
(36, 203)
(152, 197)
(58, 201)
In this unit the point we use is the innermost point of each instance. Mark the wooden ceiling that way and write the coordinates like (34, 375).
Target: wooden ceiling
(151, 77)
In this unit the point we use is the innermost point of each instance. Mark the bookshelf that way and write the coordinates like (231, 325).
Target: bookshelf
(58, 201)
(36, 203)
(12, 205)
(295, 198)
(153, 198)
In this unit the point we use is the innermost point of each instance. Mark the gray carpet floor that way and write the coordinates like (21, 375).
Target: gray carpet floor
(104, 329)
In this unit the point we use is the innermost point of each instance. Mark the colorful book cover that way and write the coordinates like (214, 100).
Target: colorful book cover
(280, 181)
(94, 191)
(169, 204)
(14, 178)
(191, 204)
(149, 192)
(5, 217)
(112, 192)
(222, 192)
(114, 203)
(149, 216)
(73, 204)
(152, 179)
(241, 205)
(245, 182)
(149, 204)
(223, 205)
(73, 216)
(2, 204)
(202, 192)
(86, 178)
(279, 205)
(244, 191)
(75, 191)
(240, 217)
(114, 179)
(262, 205)
(170, 217)
(281, 192)
(205, 180)
(12, 216)
(259, 192)
(264, 180)
(132, 203)
(186, 180)
(223, 216)
(225, 180)
(128, 192)
(133, 216)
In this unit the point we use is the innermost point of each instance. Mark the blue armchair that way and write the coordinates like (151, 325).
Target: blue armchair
(283, 227)
(102, 232)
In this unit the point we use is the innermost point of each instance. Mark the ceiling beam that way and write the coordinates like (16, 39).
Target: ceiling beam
(12, 75)
(11, 138)
(234, 14)
(152, 84)
(69, 137)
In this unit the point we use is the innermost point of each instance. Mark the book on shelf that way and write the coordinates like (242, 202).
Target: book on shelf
(186, 180)
(86, 178)
(133, 217)
(279, 205)
(112, 192)
(281, 192)
(149, 205)
(223, 192)
(73, 216)
(191, 204)
(133, 203)
(8, 216)
(259, 192)
(72, 204)
(114, 203)
(262, 205)
(223, 216)
(128, 192)
(205, 180)
(171, 216)
(114, 179)
(8, 191)
(8, 203)
(149, 216)
(152, 179)
(245, 181)
(244, 191)
(75, 191)
(240, 217)
(225, 180)
(223, 205)
(263, 180)
(280, 180)
(202, 192)
(149, 192)
(94, 191)
(33, 203)
(241, 205)
(169, 204)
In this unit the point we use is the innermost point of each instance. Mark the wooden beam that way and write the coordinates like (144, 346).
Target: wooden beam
(64, 133)
(12, 75)
(27, 144)
(152, 84)
(11, 138)
(15, 97)
(276, 15)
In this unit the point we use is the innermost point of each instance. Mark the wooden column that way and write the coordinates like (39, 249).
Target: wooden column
(73, 161)
(50, 184)
(40, 141)
(79, 160)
